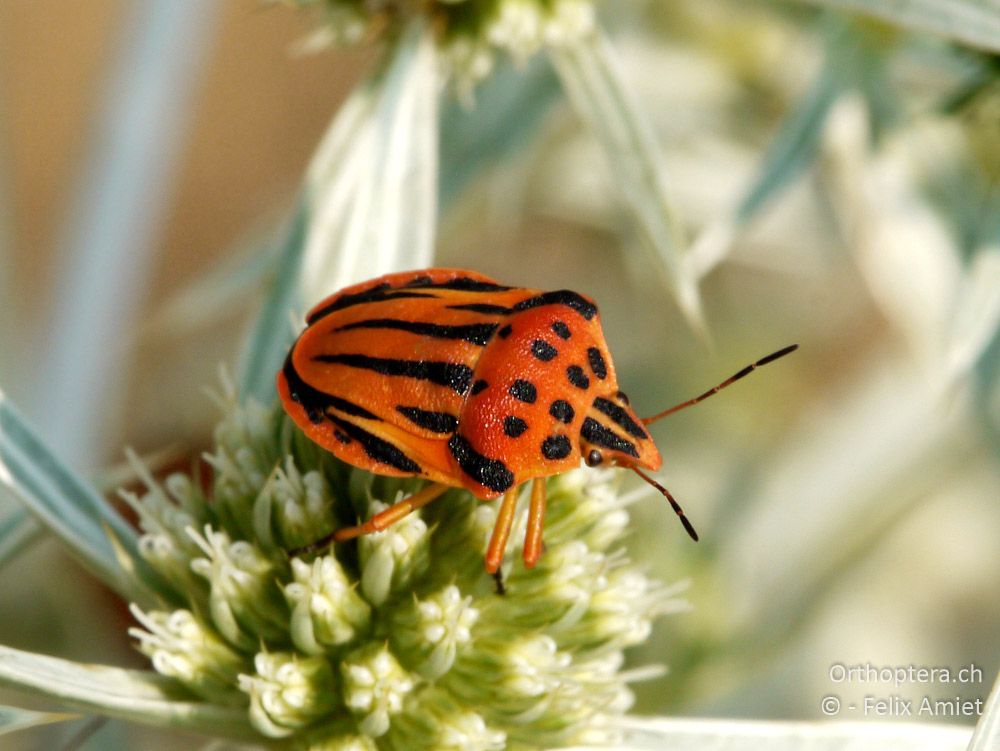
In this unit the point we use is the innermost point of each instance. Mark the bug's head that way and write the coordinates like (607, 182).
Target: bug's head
(613, 435)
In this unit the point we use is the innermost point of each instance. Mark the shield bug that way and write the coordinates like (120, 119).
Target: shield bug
(448, 375)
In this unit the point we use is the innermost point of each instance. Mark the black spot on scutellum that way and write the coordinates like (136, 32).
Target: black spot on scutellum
(556, 447)
(524, 391)
(514, 426)
(543, 351)
(562, 411)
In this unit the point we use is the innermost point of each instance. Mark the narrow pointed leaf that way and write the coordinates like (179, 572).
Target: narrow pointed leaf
(121, 200)
(987, 734)
(977, 318)
(987, 387)
(273, 332)
(793, 148)
(9, 321)
(13, 719)
(473, 139)
(592, 78)
(369, 205)
(372, 189)
(135, 695)
(17, 531)
(972, 22)
(795, 144)
(67, 506)
(654, 733)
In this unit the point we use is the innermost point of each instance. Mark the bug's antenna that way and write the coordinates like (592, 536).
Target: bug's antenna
(732, 379)
(689, 528)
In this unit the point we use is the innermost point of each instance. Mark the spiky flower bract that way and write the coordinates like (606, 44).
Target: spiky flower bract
(397, 640)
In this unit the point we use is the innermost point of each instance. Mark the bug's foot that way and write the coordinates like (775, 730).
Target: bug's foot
(498, 579)
(312, 548)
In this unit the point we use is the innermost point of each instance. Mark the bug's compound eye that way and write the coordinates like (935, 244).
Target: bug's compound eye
(594, 458)
(622, 397)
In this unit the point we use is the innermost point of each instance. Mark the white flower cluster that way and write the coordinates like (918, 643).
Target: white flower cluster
(398, 640)
(470, 32)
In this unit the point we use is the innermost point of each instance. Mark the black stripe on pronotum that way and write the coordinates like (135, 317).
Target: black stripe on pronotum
(456, 376)
(474, 333)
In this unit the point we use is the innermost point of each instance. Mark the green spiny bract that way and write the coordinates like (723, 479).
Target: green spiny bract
(397, 640)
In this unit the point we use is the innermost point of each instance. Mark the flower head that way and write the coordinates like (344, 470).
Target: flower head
(470, 33)
(397, 639)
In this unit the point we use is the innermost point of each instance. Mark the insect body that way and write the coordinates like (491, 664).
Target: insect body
(448, 375)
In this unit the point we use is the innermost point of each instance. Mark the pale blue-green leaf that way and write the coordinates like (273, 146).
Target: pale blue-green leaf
(977, 317)
(792, 150)
(369, 203)
(472, 139)
(372, 187)
(107, 244)
(987, 391)
(510, 105)
(987, 734)
(593, 80)
(133, 569)
(273, 330)
(972, 22)
(135, 695)
(9, 320)
(653, 734)
(13, 719)
(795, 144)
(17, 531)
(67, 506)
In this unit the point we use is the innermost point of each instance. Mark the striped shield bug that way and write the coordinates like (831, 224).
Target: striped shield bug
(448, 375)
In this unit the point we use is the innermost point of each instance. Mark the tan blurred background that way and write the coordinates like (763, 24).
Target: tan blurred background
(258, 112)
(258, 109)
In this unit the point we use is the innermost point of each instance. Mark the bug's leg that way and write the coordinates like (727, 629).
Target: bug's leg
(498, 580)
(392, 514)
(501, 531)
(536, 519)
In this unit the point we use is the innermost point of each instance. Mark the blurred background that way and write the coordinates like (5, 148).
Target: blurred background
(838, 180)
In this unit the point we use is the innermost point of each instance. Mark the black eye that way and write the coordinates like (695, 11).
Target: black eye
(594, 458)
(622, 397)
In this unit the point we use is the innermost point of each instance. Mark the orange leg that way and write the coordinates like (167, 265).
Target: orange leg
(536, 519)
(392, 514)
(501, 531)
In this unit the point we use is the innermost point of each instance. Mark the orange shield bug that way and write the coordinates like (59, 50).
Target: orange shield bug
(448, 375)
